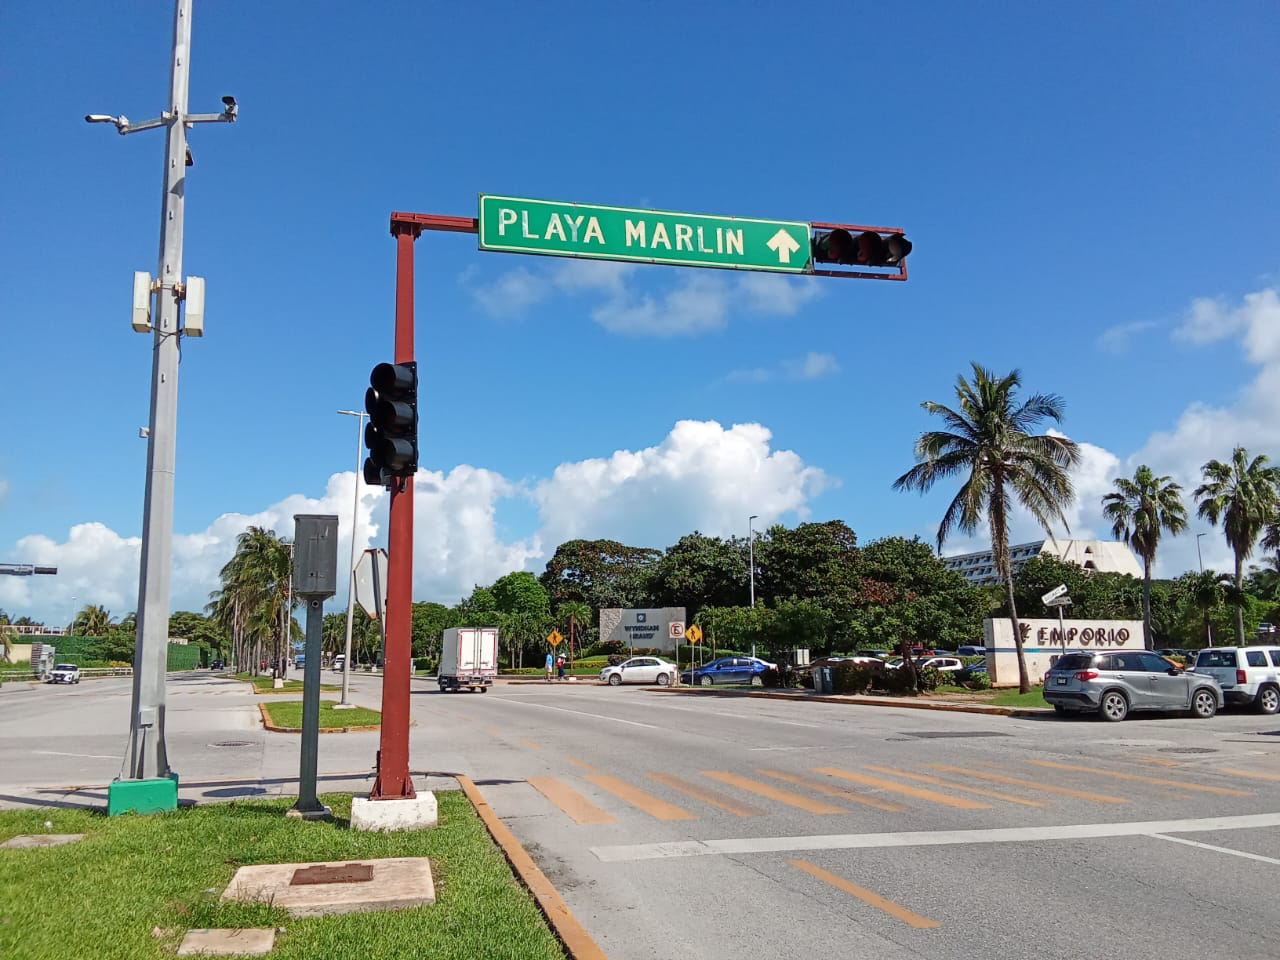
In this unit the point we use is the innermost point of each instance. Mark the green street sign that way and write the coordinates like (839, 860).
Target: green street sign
(563, 229)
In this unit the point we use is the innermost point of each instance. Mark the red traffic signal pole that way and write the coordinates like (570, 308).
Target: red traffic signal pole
(393, 781)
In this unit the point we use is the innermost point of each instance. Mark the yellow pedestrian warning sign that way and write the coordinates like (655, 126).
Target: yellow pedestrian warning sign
(693, 634)
(554, 638)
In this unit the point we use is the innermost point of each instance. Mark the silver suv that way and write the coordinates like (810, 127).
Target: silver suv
(1113, 683)
(1247, 674)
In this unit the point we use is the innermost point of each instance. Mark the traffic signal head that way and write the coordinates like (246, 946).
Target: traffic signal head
(866, 249)
(392, 432)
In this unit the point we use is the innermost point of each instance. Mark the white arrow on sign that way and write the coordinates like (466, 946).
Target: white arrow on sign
(1058, 602)
(371, 582)
(784, 245)
(1054, 593)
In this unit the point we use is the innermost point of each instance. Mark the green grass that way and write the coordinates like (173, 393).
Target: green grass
(101, 898)
(267, 684)
(288, 713)
(1002, 697)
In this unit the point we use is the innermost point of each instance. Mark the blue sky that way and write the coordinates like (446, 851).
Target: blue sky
(1091, 190)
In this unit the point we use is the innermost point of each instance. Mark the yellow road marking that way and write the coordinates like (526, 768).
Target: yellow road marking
(1018, 781)
(1253, 774)
(939, 782)
(774, 793)
(895, 910)
(581, 763)
(530, 743)
(654, 806)
(494, 730)
(578, 807)
(920, 793)
(834, 791)
(1198, 787)
(1162, 761)
(712, 797)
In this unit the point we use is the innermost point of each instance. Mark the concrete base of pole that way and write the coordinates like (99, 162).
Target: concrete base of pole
(155, 795)
(343, 706)
(317, 813)
(416, 813)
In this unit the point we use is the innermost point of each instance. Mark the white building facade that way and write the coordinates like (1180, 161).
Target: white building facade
(1103, 556)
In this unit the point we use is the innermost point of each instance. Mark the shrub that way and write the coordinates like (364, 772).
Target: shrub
(978, 681)
(895, 681)
(849, 677)
(928, 678)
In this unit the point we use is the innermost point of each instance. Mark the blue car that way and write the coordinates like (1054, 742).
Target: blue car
(728, 670)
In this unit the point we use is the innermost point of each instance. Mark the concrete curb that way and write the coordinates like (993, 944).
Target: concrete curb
(268, 725)
(577, 942)
(904, 703)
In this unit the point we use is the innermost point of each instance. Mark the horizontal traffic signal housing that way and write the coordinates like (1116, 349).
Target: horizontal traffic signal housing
(391, 435)
(866, 248)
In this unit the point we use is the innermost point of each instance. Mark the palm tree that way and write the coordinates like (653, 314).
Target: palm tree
(1139, 510)
(1244, 494)
(92, 621)
(988, 442)
(255, 601)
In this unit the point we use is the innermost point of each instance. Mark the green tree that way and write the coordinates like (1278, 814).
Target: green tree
(520, 592)
(254, 603)
(1140, 510)
(809, 562)
(1244, 496)
(92, 621)
(988, 442)
(600, 573)
(700, 571)
(430, 620)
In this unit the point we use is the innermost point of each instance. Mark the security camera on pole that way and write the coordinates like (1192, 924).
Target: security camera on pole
(147, 783)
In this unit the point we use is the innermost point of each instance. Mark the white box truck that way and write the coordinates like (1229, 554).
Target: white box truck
(468, 658)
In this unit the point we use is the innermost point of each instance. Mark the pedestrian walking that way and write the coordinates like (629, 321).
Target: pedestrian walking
(560, 665)
(550, 663)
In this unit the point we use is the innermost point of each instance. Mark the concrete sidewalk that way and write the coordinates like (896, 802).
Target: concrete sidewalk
(905, 703)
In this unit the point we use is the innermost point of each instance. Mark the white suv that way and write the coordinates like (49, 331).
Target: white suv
(1247, 674)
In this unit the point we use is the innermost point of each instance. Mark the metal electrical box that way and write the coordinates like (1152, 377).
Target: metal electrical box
(315, 555)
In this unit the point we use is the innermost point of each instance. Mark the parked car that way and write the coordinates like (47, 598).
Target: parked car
(340, 662)
(941, 664)
(971, 652)
(1249, 675)
(640, 670)
(728, 670)
(64, 673)
(1115, 683)
(878, 654)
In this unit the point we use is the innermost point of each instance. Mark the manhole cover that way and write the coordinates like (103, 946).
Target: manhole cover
(232, 743)
(1188, 750)
(953, 734)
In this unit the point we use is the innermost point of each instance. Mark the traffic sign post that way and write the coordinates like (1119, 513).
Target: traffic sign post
(554, 638)
(564, 229)
(1057, 597)
(1058, 591)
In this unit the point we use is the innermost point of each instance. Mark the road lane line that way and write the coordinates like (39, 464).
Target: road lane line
(581, 763)
(713, 797)
(1252, 774)
(870, 841)
(1018, 781)
(530, 743)
(91, 756)
(774, 793)
(595, 716)
(834, 791)
(1161, 761)
(1197, 787)
(939, 782)
(494, 730)
(575, 805)
(1210, 846)
(656, 807)
(920, 793)
(895, 910)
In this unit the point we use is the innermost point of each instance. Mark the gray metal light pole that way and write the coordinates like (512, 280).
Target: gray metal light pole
(1208, 627)
(351, 573)
(146, 757)
(751, 547)
(1199, 556)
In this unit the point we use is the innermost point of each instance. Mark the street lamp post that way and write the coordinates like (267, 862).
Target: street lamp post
(351, 573)
(751, 549)
(1208, 627)
(147, 757)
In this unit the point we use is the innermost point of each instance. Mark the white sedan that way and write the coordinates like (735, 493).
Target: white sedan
(641, 670)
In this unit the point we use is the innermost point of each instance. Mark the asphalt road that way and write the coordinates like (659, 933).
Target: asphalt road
(713, 826)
